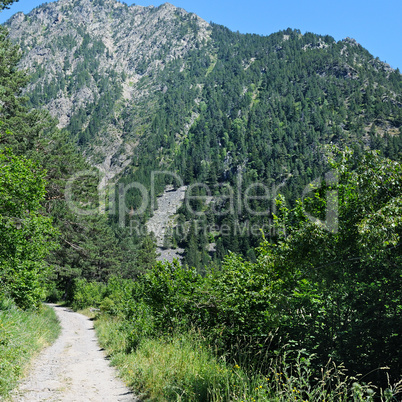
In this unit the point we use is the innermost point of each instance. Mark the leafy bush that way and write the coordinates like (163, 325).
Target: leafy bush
(86, 294)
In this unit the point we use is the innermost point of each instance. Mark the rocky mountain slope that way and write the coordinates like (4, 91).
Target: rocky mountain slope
(94, 62)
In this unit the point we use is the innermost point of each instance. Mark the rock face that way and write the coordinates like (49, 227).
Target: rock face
(103, 58)
(163, 220)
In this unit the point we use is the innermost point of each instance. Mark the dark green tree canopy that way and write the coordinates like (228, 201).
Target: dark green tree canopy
(4, 4)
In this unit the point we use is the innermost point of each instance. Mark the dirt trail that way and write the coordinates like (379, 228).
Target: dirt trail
(74, 368)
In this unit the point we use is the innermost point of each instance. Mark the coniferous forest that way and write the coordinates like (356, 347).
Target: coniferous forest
(289, 145)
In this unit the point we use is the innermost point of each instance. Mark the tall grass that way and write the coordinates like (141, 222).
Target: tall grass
(183, 367)
(22, 335)
(173, 368)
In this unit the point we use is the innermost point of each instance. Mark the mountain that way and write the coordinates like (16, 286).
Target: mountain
(94, 63)
(142, 89)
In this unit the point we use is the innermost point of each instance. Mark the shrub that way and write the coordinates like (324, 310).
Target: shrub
(86, 294)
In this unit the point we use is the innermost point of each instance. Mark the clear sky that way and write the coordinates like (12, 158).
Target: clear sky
(375, 24)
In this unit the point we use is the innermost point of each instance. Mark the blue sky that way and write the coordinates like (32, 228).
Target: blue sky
(376, 25)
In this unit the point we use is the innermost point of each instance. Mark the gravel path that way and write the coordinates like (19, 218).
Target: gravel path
(74, 368)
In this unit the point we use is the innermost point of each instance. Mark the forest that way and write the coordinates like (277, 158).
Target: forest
(306, 307)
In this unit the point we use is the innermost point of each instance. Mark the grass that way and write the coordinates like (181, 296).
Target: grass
(165, 369)
(22, 335)
(183, 367)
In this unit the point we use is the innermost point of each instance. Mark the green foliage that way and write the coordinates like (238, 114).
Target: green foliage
(11, 79)
(86, 294)
(26, 237)
(4, 4)
(169, 290)
(340, 290)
